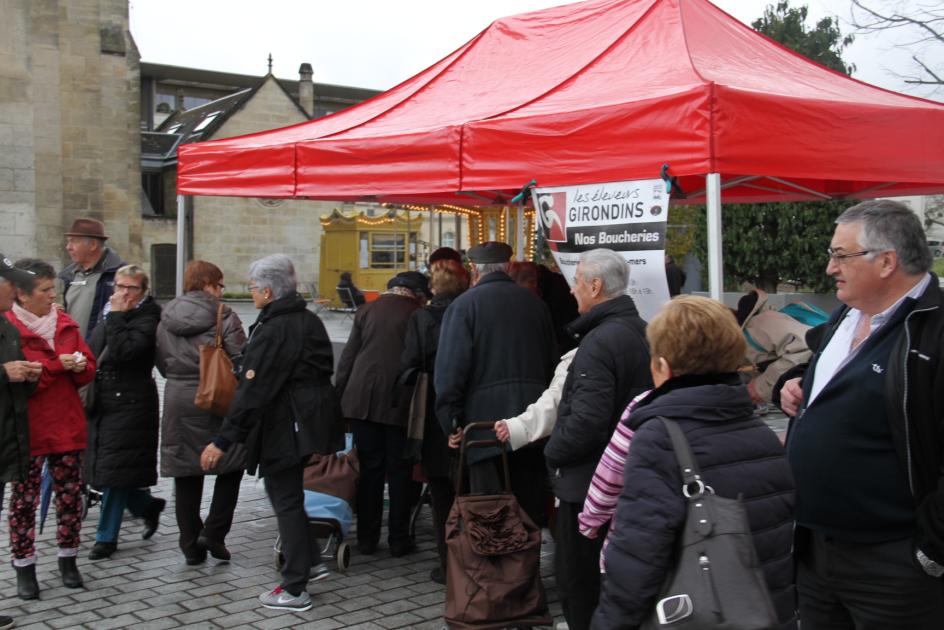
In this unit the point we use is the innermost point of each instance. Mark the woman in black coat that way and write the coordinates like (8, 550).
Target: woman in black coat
(697, 385)
(447, 280)
(285, 410)
(121, 456)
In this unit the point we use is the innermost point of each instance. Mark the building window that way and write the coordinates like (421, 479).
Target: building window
(195, 101)
(449, 239)
(164, 270)
(386, 250)
(153, 185)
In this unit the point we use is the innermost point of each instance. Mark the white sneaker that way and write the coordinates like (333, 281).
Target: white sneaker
(279, 599)
(319, 572)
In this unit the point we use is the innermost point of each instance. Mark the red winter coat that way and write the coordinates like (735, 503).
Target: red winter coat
(56, 416)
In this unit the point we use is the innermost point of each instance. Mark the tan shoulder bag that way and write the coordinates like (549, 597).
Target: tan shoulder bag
(217, 381)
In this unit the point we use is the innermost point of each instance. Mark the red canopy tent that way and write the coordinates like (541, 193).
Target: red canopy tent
(603, 90)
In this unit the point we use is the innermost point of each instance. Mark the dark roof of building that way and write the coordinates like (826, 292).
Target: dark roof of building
(196, 77)
(158, 148)
(201, 122)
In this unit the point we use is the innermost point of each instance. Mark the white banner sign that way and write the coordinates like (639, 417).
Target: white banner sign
(627, 217)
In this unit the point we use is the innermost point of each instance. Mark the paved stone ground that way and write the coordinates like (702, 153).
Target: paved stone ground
(147, 586)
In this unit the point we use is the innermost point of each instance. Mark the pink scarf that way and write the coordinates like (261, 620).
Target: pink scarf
(44, 326)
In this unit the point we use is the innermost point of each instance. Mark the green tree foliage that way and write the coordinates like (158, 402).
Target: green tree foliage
(823, 44)
(769, 244)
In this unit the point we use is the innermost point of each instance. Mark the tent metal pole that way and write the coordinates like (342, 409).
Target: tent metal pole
(715, 269)
(181, 241)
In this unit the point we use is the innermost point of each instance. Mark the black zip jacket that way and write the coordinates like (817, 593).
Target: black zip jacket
(285, 407)
(914, 406)
(610, 368)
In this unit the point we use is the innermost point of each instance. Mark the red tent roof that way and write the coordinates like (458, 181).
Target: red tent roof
(603, 90)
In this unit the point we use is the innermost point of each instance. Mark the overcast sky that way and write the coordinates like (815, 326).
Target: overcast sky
(379, 43)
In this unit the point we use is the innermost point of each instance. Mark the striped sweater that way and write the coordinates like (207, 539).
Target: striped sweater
(607, 482)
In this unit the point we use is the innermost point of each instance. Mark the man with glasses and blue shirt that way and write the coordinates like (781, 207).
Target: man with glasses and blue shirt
(867, 439)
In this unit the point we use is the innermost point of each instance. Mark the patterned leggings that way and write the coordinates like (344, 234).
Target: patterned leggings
(66, 471)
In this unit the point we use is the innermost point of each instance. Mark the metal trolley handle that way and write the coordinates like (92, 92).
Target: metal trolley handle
(467, 444)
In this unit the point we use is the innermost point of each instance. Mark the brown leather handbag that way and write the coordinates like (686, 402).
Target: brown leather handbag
(217, 381)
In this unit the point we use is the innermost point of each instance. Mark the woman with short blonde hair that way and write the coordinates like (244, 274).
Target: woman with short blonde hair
(696, 347)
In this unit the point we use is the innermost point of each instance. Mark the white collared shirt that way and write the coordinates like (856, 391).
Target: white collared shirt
(839, 350)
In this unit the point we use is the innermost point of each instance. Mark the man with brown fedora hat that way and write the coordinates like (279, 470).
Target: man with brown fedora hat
(89, 281)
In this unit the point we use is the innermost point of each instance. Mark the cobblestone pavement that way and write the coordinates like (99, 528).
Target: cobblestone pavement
(147, 586)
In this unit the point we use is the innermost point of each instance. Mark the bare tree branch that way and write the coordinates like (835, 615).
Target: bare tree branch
(924, 21)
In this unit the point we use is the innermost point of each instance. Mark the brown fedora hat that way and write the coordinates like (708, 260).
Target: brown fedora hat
(88, 227)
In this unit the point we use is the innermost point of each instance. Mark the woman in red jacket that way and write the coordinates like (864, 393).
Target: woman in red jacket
(57, 425)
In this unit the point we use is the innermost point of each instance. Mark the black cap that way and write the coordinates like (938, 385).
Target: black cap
(412, 280)
(11, 273)
(490, 252)
(445, 253)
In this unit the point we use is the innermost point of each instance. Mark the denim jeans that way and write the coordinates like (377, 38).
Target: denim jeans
(114, 502)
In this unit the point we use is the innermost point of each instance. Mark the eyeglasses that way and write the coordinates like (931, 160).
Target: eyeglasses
(840, 258)
(253, 288)
(128, 287)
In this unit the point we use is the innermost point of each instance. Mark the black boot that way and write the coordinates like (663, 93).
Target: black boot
(152, 517)
(71, 578)
(26, 585)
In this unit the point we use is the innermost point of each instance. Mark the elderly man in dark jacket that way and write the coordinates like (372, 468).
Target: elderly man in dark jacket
(87, 284)
(367, 374)
(610, 368)
(496, 356)
(17, 380)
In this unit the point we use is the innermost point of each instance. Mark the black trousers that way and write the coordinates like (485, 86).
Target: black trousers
(380, 450)
(442, 494)
(287, 496)
(528, 480)
(577, 567)
(858, 586)
(189, 493)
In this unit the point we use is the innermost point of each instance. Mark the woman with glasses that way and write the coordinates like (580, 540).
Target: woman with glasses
(285, 410)
(121, 458)
(188, 322)
(56, 425)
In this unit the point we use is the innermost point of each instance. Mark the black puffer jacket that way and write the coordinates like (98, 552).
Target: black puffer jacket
(285, 407)
(737, 454)
(610, 368)
(123, 427)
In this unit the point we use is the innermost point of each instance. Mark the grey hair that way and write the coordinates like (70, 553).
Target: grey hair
(609, 267)
(891, 225)
(136, 272)
(484, 268)
(275, 272)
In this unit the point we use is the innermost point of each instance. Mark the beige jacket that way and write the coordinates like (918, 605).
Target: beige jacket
(537, 421)
(777, 340)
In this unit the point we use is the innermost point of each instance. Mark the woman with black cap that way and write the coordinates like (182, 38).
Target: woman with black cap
(366, 376)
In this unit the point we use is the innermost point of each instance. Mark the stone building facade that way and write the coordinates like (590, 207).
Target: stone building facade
(69, 131)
